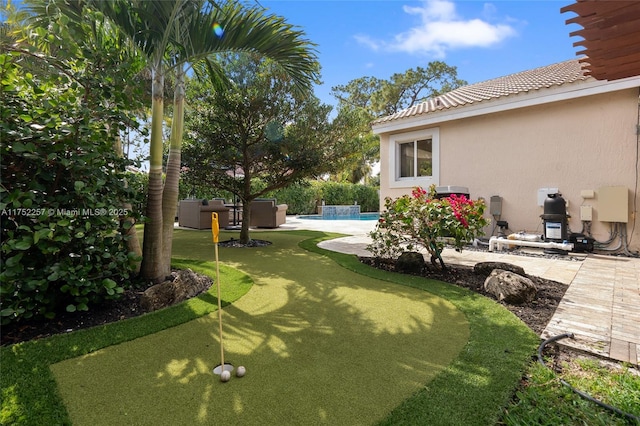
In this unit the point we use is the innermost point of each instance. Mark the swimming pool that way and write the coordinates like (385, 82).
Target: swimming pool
(361, 216)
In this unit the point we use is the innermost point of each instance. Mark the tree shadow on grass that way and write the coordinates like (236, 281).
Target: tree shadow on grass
(320, 344)
(293, 353)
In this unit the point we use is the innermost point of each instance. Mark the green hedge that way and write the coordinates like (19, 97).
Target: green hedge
(303, 198)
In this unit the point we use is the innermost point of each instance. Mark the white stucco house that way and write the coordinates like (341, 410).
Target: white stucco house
(520, 136)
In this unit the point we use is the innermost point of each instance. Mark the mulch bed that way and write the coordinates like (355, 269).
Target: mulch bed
(110, 311)
(536, 314)
(237, 244)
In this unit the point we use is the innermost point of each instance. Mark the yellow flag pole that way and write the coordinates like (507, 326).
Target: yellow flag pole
(215, 230)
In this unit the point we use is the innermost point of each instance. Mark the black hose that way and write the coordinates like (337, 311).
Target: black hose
(579, 392)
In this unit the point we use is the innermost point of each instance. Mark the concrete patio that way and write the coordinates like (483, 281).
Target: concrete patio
(601, 306)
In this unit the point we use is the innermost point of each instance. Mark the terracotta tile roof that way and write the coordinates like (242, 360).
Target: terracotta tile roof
(525, 81)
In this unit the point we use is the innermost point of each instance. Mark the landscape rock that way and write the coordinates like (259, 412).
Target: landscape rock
(485, 268)
(182, 285)
(410, 262)
(510, 287)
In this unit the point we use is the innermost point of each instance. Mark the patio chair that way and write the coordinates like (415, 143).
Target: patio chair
(266, 213)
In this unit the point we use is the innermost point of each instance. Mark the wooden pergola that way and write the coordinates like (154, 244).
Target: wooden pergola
(611, 33)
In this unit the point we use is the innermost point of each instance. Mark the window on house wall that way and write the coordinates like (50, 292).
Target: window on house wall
(415, 158)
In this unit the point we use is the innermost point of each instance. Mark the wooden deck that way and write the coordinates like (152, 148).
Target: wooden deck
(602, 309)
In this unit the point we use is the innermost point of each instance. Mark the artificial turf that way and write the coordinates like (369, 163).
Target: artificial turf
(470, 390)
(321, 344)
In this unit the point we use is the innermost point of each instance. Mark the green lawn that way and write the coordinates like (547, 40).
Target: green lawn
(333, 340)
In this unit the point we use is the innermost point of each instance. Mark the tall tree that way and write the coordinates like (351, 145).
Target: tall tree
(259, 135)
(173, 34)
(364, 99)
(352, 127)
(357, 93)
(403, 91)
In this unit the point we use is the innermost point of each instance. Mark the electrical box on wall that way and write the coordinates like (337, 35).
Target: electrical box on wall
(587, 193)
(586, 213)
(495, 205)
(613, 204)
(543, 192)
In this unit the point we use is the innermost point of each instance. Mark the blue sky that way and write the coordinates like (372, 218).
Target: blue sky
(483, 39)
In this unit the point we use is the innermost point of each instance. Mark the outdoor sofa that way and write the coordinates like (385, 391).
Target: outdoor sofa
(197, 213)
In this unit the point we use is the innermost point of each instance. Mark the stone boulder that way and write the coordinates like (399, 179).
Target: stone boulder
(181, 285)
(485, 268)
(509, 287)
(410, 262)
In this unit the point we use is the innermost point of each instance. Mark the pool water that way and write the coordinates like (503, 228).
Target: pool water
(361, 216)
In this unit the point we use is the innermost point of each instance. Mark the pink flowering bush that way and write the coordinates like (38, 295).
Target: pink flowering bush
(422, 221)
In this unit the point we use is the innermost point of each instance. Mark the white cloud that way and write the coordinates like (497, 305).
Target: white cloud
(367, 41)
(441, 30)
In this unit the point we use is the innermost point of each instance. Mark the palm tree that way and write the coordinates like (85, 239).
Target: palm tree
(172, 35)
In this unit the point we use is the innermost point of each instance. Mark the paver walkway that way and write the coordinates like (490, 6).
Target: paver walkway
(601, 306)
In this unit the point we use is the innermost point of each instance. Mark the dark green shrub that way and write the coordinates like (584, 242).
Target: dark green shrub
(367, 196)
(61, 199)
(301, 198)
(335, 193)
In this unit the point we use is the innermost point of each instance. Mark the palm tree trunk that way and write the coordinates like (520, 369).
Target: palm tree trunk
(172, 179)
(152, 244)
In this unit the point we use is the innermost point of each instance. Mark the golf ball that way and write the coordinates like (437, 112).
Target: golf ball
(240, 371)
(225, 376)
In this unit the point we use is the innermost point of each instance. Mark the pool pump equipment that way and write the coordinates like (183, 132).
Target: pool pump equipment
(555, 221)
(556, 238)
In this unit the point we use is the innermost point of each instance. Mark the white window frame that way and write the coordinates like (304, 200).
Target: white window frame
(395, 140)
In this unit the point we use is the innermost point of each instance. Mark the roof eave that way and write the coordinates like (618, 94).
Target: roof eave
(567, 91)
